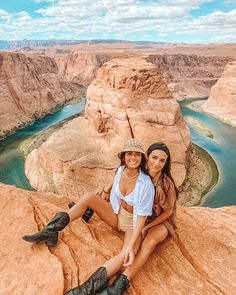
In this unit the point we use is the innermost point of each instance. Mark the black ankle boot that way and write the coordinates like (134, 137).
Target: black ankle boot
(95, 283)
(49, 234)
(87, 214)
(119, 286)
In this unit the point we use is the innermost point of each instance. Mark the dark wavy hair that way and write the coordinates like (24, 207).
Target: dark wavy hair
(160, 146)
(142, 164)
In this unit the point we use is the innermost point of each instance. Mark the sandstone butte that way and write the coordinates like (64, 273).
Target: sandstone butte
(187, 75)
(222, 100)
(30, 88)
(201, 261)
(128, 99)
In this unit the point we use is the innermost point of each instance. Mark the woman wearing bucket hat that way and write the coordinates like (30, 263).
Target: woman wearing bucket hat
(131, 201)
(162, 223)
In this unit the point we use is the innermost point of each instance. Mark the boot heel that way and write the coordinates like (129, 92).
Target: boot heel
(52, 241)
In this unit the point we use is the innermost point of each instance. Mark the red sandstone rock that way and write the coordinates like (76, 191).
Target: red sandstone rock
(128, 98)
(189, 75)
(81, 67)
(222, 100)
(30, 88)
(203, 262)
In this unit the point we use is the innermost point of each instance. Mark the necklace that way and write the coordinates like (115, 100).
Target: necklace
(130, 178)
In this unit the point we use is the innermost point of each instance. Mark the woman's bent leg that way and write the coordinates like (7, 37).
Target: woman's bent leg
(154, 237)
(102, 208)
(49, 234)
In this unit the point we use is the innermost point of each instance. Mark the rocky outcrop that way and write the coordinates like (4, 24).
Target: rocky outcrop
(81, 67)
(30, 88)
(202, 262)
(222, 100)
(189, 75)
(128, 99)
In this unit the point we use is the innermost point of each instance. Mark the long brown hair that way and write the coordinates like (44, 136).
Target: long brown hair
(167, 167)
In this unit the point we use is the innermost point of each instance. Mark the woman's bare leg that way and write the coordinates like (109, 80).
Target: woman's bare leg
(100, 206)
(154, 237)
(115, 264)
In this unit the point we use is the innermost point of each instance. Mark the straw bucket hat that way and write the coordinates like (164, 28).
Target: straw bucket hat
(132, 145)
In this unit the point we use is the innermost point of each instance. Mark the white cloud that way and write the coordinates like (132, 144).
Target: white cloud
(117, 18)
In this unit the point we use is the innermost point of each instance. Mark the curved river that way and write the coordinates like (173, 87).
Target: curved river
(221, 147)
(12, 159)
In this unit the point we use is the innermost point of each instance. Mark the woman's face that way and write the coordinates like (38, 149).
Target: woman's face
(133, 159)
(156, 161)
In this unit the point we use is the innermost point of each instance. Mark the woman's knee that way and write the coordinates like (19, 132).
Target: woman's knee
(149, 244)
(88, 197)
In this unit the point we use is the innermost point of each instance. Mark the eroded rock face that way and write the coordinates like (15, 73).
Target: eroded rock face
(81, 67)
(189, 76)
(222, 99)
(128, 99)
(202, 262)
(130, 96)
(30, 88)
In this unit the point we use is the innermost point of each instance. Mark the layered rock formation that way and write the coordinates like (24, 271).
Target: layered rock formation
(222, 100)
(190, 75)
(128, 99)
(81, 67)
(30, 88)
(187, 75)
(201, 261)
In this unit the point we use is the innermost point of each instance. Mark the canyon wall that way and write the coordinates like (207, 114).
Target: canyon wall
(128, 99)
(187, 75)
(201, 261)
(81, 67)
(30, 88)
(222, 100)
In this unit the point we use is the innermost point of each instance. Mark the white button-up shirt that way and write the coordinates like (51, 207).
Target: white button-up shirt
(143, 195)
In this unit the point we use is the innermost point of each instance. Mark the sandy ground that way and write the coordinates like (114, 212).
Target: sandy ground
(202, 176)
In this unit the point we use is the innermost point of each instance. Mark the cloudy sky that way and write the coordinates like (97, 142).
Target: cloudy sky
(189, 21)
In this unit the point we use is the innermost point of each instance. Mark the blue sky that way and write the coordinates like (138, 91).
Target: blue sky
(188, 21)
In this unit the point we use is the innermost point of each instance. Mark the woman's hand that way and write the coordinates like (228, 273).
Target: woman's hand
(129, 257)
(144, 232)
(103, 194)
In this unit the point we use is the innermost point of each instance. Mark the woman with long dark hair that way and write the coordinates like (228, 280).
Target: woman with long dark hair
(162, 223)
(131, 201)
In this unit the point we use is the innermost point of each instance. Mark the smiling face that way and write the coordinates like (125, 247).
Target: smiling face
(156, 161)
(132, 159)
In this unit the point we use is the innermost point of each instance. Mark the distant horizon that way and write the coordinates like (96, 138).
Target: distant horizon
(110, 41)
(161, 21)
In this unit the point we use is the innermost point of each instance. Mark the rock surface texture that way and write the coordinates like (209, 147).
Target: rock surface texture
(128, 99)
(30, 88)
(81, 67)
(222, 100)
(202, 262)
(189, 76)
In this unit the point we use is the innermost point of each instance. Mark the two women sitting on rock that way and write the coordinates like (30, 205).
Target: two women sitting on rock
(142, 205)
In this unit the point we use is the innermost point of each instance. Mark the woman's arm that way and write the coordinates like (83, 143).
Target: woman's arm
(130, 251)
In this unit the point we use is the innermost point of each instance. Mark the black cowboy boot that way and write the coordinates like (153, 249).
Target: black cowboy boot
(87, 214)
(119, 286)
(49, 234)
(94, 283)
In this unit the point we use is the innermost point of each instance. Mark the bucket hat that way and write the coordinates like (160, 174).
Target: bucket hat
(132, 145)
